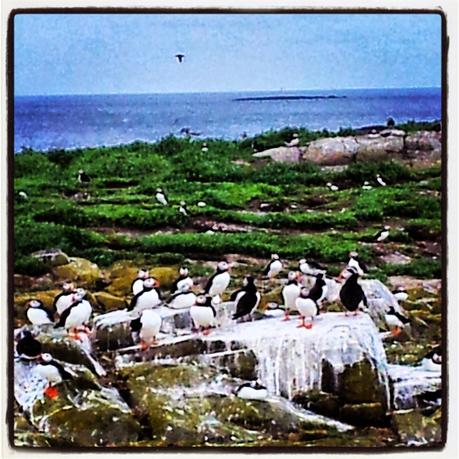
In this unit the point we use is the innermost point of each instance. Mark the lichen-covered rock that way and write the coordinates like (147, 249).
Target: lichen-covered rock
(423, 140)
(282, 154)
(371, 148)
(165, 275)
(52, 257)
(332, 151)
(109, 302)
(80, 270)
(31, 283)
(319, 402)
(415, 429)
(364, 414)
(121, 278)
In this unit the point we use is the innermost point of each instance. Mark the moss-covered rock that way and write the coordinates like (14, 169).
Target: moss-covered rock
(273, 296)
(363, 414)
(415, 429)
(319, 402)
(121, 277)
(109, 302)
(165, 275)
(80, 270)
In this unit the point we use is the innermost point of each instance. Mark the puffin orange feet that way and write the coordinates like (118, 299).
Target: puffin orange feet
(51, 392)
(302, 324)
(308, 325)
(396, 331)
(286, 316)
(206, 331)
(143, 345)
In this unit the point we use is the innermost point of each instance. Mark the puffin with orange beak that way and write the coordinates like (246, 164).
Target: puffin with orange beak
(290, 293)
(148, 298)
(351, 293)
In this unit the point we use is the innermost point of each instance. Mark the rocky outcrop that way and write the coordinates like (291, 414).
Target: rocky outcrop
(52, 257)
(80, 270)
(383, 145)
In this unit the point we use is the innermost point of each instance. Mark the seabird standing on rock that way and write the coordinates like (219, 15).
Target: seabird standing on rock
(64, 299)
(249, 300)
(161, 197)
(273, 268)
(53, 372)
(351, 293)
(203, 313)
(182, 298)
(396, 321)
(252, 391)
(400, 294)
(307, 308)
(380, 180)
(27, 346)
(290, 293)
(294, 142)
(382, 234)
(183, 279)
(219, 281)
(183, 208)
(76, 315)
(310, 268)
(148, 298)
(137, 283)
(319, 291)
(83, 177)
(37, 314)
(332, 187)
(147, 326)
(432, 360)
(356, 262)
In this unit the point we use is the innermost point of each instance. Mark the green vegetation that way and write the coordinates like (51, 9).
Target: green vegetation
(267, 207)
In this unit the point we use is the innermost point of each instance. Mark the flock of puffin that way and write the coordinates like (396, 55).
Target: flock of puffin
(73, 310)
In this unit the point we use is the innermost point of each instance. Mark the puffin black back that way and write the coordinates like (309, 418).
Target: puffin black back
(215, 250)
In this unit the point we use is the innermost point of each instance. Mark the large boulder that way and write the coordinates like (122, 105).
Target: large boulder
(52, 257)
(282, 154)
(424, 141)
(79, 270)
(332, 151)
(376, 147)
(109, 302)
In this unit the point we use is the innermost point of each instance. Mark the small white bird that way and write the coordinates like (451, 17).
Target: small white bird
(274, 267)
(183, 209)
(148, 298)
(380, 180)
(23, 195)
(366, 186)
(432, 360)
(332, 187)
(204, 148)
(77, 314)
(382, 234)
(219, 281)
(183, 279)
(64, 299)
(203, 313)
(53, 372)
(37, 314)
(83, 177)
(294, 142)
(182, 298)
(400, 294)
(252, 391)
(310, 268)
(307, 308)
(150, 322)
(137, 283)
(161, 197)
(201, 204)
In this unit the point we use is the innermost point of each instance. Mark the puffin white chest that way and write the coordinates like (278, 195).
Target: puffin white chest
(137, 286)
(79, 315)
(355, 264)
(48, 372)
(306, 307)
(219, 283)
(202, 316)
(184, 300)
(290, 293)
(151, 324)
(250, 393)
(188, 281)
(383, 236)
(38, 316)
(147, 300)
(324, 293)
(275, 268)
(63, 303)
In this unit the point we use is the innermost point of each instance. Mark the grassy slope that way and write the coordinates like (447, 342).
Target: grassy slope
(321, 224)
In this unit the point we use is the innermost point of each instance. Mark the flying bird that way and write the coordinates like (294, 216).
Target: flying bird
(180, 57)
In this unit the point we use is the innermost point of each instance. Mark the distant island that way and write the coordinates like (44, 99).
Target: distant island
(243, 99)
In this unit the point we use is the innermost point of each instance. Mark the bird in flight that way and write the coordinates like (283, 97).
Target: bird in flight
(180, 57)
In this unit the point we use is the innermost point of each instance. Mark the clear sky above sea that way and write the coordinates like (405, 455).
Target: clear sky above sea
(135, 53)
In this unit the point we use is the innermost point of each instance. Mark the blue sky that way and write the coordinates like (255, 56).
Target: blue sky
(116, 53)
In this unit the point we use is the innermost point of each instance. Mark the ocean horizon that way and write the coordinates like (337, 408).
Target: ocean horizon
(76, 121)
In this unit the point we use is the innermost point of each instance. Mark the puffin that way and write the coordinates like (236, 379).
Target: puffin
(307, 308)
(182, 298)
(432, 360)
(396, 321)
(148, 298)
(83, 177)
(400, 294)
(137, 283)
(290, 293)
(180, 57)
(366, 185)
(252, 391)
(273, 268)
(204, 148)
(294, 142)
(203, 313)
(382, 234)
(27, 346)
(319, 290)
(76, 315)
(219, 281)
(53, 372)
(183, 279)
(64, 299)
(201, 204)
(356, 262)
(37, 314)
(332, 187)
(351, 293)
(183, 209)
(161, 197)
(247, 301)
(380, 180)
(147, 325)
(310, 268)
(23, 195)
